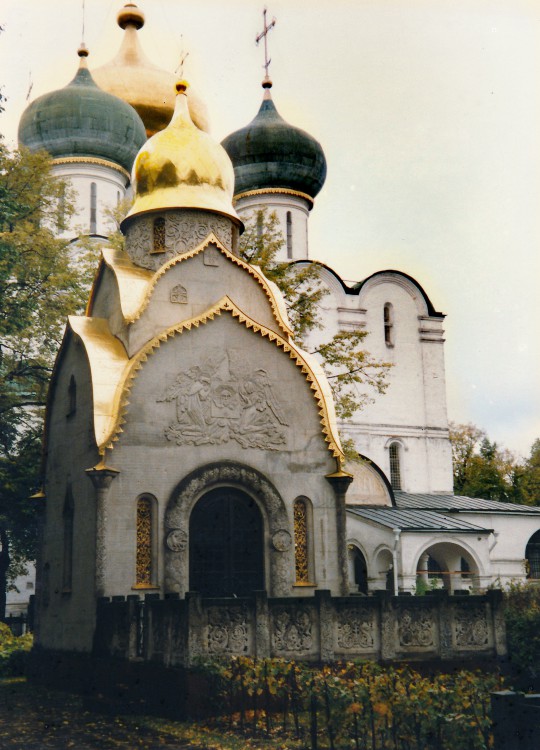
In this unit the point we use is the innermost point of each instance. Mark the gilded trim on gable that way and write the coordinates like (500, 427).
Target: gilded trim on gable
(321, 389)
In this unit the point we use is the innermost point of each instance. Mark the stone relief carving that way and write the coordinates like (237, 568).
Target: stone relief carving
(177, 540)
(292, 629)
(222, 400)
(355, 629)
(188, 492)
(139, 242)
(184, 230)
(228, 630)
(281, 540)
(416, 628)
(179, 294)
(471, 628)
(211, 257)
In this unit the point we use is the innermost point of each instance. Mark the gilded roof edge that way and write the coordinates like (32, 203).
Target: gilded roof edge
(321, 393)
(268, 287)
(107, 359)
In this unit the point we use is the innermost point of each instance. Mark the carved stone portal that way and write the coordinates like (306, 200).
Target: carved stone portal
(223, 399)
(227, 473)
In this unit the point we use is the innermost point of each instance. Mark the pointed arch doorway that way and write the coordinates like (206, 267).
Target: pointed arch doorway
(226, 555)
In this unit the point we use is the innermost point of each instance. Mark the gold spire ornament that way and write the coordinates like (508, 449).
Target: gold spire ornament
(132, 77)
(182, 167)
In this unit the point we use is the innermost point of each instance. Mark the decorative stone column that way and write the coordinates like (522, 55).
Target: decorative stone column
(101, 477)
(340, 481)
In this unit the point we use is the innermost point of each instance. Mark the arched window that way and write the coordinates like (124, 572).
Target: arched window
(93, 208)
(72, 397)
(145, 558)
(303, 543)
(395, 466)
(289, 235)
(67, 517)
(117, 197)
(388, 315)
(532, 555)
(61, 220)
(159, 235)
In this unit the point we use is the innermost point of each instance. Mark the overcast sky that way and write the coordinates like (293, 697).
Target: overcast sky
(429, 115)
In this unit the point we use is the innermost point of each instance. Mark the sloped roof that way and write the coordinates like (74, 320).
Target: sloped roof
(416, 520)
(458, 503)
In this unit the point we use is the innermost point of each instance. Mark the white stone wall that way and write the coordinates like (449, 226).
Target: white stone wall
(412, 412)
(281, 204)
(111, 185)
(66, 618)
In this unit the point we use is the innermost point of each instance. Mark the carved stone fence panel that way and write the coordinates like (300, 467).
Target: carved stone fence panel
(179, 632)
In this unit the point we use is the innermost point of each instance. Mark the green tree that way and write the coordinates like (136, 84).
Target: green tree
(39, 286)
(481, 468)
(348, 366)
(530, 480)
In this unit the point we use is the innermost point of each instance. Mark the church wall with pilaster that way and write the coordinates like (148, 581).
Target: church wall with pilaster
(67, 614)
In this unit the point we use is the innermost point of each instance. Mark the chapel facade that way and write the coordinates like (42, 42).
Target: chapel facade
(197, 496)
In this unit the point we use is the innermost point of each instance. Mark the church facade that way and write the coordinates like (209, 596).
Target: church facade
(197, 497)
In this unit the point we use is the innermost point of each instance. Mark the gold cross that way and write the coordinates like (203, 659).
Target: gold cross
(264, 34)
(180, 69)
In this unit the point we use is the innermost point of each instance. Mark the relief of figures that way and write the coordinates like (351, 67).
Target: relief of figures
(216, 402)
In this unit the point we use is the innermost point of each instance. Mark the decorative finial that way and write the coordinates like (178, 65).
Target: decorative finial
(130, 14)
(181, 87)
(183, 55)
(267, 83)
(83, 52)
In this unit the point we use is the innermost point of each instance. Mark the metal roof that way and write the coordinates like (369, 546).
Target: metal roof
(415, 520)
(460, 503)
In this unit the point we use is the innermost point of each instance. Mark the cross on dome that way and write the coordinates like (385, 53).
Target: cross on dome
(267, 83)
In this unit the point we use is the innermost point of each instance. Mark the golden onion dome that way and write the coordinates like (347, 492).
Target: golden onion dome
(182, 167)
(132, 77)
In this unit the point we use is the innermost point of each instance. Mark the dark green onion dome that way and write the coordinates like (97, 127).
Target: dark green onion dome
(270, 153)
(82, 120)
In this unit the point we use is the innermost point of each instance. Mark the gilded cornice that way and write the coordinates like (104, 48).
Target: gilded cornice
(92, 160)
(136, 285)
(276, 191)
(318, 385)
(133, 282)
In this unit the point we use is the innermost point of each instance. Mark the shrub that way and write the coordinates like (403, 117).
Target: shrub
(522, 615)
(13, 651)
(354, 705)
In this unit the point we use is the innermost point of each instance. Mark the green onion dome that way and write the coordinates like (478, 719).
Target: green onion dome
(270, 153)
(81, 120)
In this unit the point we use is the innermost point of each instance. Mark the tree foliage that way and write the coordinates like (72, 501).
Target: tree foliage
(483, 469)
(353, 374)
(530, 479)
(39, 286)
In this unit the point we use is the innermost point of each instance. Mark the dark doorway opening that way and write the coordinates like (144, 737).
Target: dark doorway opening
(360, 571)
(226, 544)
